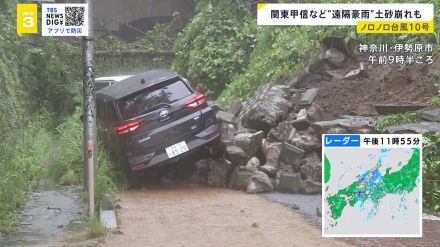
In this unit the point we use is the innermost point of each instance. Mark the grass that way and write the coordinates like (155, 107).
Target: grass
(395, 119)
(96, 228)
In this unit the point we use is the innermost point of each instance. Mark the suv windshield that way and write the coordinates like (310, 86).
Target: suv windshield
(153, 98)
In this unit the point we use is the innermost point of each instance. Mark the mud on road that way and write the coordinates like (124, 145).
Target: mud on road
(190, 215)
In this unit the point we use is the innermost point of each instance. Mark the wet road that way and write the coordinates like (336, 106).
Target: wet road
(49, 214)
(189, 215)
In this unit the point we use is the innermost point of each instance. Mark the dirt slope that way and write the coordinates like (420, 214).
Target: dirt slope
(184, 215)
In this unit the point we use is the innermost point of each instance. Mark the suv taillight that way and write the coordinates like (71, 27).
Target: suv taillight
(200, 99)
(124, 129)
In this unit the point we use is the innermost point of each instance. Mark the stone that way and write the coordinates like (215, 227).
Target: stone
(356, 73)
(336, 130)
(240, 178)
(301, 122)
(335, 57)
(227, 133)
(289, 182)
(218, 173)
(283, 132)
(349, 123)
(235, 108)
(236, 155)
(306, 142)
(301, 76)
(266, 146)
(291, 154)
(271, 165)
(226, 117)
(310, 187)
(314, 112)
(249, 142)
(268, 106)
(311, 167)
(260, 182)
(269, 169)
(201, 172)
(431, 115)
(308, 97)
(253, 162)
(309, 79)
(415, 128)
(384, 109)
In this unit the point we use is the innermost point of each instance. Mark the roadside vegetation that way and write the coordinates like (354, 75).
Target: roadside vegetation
(222, 51)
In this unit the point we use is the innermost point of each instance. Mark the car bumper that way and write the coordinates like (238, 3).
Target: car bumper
(194, 143)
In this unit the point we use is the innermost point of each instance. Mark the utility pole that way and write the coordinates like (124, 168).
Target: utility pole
(89, 114)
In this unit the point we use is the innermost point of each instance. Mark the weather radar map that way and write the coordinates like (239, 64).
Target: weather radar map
(372, 186)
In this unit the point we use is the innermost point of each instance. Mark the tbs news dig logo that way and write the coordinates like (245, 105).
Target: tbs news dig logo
(69, 19)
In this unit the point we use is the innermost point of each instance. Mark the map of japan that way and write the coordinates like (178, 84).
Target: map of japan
(372, 192)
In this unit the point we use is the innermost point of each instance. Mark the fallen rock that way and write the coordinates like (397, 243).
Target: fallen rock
(236, 155)
(310, 187)
(283, 132)
(266, 108)
(384, 109)
(259, 182)
(201, 172)
(271, 165)
(308, 97)
(335, 57)
(306, 142)
(291, 154)
(431, 115)
(225, 117)
(301, 122)
(227, 133)
(235, 108)
(350, 123)
(289, 182)
(253, 162)
(218, 173)
(240, 178)
(249, 142)
(314, 112)
(311, 167)
(417, 128)
(356, 73)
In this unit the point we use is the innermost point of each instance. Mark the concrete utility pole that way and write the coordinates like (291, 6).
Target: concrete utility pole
(89, 116)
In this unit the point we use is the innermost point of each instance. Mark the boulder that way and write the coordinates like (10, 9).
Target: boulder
(249, 142)
(302, 122)
(291, 154)
(240, 178)
(335, 57)
(289, 182)
(201, 172)
(227, 133)
(226, 117)
(311, 167)
(306, 142)
(308, 97)
(283, 132)
(349, 123)
(253, 162)
(218, 174)
(417, 128)
(271, 165)
(314, 112)
(259, 182)
(431, 115)
(236, 155)
(266, 108)
(310, 187)
(235, 108)
(384, 109)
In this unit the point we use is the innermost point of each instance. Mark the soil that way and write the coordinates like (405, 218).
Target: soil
(383, 84)
(189, 215)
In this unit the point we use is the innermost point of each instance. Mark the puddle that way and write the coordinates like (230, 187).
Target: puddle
(48, 215)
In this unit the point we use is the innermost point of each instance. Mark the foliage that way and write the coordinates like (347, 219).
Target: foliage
(395, 119)
(431, 173)
(215, 46)
(96, 228)
(20, 169)
(68, 166)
